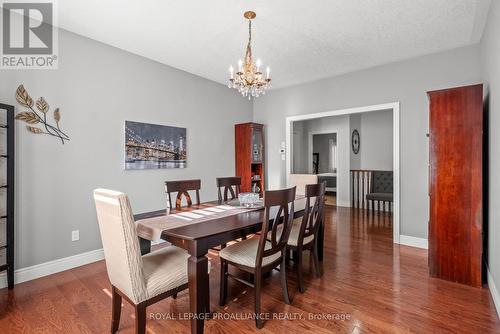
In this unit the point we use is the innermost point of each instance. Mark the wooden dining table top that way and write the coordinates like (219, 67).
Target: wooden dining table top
(210, 227)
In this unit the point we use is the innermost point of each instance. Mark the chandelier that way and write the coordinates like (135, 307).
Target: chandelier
(249, 80)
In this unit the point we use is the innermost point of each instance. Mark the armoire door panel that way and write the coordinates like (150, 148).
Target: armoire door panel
(455, 184)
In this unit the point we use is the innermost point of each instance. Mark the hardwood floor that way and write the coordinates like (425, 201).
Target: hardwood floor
(378, 286)
(331, 198)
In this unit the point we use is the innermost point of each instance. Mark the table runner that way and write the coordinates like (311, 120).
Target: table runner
(152, 228)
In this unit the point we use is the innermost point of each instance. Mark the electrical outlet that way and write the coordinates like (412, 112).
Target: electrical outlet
(75, 235)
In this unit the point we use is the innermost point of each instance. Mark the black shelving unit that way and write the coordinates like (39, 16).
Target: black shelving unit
(9, 188)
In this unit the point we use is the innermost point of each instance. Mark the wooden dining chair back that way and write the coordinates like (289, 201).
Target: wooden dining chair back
(279, 206)
(258, 255)
(140, 280)
(314, 212)
(182, 188)
(228, 186)
(305, 230)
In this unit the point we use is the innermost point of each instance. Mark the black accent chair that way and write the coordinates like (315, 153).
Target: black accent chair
(381, 190)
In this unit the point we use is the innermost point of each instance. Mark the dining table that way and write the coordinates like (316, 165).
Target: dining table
(197, 229)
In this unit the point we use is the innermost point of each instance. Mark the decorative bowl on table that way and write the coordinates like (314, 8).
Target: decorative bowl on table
(247, 200)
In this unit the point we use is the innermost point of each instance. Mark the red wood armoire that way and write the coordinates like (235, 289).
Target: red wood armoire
(455, 184)
(250, 156)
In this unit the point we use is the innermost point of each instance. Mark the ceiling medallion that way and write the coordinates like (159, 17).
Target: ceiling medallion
(249, 80)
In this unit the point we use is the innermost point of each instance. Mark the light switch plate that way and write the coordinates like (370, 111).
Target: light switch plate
(75, 235)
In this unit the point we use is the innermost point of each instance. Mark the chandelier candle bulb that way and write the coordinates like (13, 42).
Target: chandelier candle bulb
(258, 65)
(231, 70)
(268, 71)
(240, 65)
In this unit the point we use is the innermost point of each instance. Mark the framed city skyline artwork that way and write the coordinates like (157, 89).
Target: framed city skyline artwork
(153, 146)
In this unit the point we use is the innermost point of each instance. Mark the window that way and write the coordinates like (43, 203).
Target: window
(332, 163)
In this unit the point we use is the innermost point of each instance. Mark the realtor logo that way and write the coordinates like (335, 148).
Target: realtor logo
(29, 39)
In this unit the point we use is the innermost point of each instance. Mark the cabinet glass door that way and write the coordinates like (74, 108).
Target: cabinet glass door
(256, 145)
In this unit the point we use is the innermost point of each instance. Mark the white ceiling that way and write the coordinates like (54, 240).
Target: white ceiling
(300, 40)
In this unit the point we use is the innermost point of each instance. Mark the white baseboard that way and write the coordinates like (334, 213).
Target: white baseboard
(343, 204)
(494, 291)
(413, 241)
(52, 267)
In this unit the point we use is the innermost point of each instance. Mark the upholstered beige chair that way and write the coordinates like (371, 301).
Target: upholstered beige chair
(141, 280)
(300, 181)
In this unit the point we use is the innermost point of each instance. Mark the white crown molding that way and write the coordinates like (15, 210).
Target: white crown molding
(413, 241)
(52, 267)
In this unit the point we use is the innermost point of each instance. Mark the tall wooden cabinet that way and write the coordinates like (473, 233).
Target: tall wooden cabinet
(250, 156)
(455, 184)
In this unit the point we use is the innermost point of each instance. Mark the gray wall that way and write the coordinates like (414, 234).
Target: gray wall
(407, 82)
(300, 147)
(490, 56)
(376, 140)
(355, 124)
(98, 87)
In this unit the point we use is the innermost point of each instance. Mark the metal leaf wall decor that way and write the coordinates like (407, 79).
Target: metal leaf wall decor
(32, 117)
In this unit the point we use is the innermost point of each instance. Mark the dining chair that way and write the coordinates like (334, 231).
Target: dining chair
(305, 229)
(182, 188)
(259, 256)
(300, 181)
(228, 186)
(140, 280)
(381, 190)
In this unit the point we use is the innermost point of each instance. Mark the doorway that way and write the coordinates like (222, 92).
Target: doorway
(343, 166)
(323, 158)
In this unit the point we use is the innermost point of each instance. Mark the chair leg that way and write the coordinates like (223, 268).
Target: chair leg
(116, 309)
(145, 246)
(287, 255)
(223, 282)
(257, 285)
(314, 254)
(140, 318)
(284, 283)
(299, 272)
